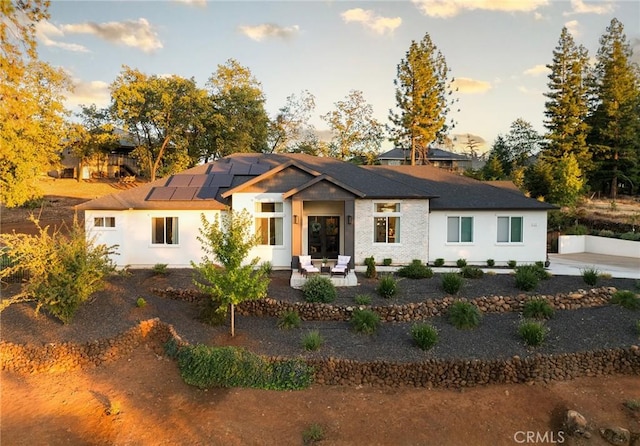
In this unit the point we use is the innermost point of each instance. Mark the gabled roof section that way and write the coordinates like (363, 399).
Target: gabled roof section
(319, 179)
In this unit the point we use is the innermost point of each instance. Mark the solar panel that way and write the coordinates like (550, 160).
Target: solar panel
(258, 169)
(199, 180)
(240, 169)
(161, 193)
(184, 193)
(180, 180)
(220, 167)
(207, 193)
(220, 180)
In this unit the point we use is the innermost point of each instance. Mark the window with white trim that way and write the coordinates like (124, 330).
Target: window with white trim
(459, 229)
(164, 230)
(104, 222)
(386, 222)
(510, 229)
(270, 223)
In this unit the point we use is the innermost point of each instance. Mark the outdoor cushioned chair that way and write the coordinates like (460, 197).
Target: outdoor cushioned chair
(306, 266)
(342, 266)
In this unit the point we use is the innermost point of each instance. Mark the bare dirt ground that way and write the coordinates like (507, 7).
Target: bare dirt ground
(155, 407)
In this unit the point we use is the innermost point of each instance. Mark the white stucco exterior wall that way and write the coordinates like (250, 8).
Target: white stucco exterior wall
(414, 230)
(135, 226)
(485, 235)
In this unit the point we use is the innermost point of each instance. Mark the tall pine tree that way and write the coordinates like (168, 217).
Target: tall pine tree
(422, 97)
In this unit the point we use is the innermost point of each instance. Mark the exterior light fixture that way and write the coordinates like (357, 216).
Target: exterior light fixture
(349, 219)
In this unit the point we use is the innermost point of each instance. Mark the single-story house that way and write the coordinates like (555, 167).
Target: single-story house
(437, 157)
(323, 207)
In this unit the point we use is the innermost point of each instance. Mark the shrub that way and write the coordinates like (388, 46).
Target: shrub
(141, 303)
(532, 333)
(626, 299)
(312, 434)
(312, 340)
(537, 309)
(319, 289)
(267, 267)
(159, 269)
(605, 276)
(386, 262)
(606, 233)
(464, 315)
(451, 283)
(416, 270)
(633, 405)
(34, 203)
(371, 272)
(512, 263)
(363, 299)
(388, 286)
(491, 263)
(471, 272)
(365, 321)
(633, 236)
(289, 319)
(577, 230)
(438, 262)
(526, 279)
(204, 366)
(212, 312)
(425, 335)
(461, 262)
(590, 276)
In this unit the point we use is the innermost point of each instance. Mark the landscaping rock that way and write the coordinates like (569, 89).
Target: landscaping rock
(575, 424)
(616, 435)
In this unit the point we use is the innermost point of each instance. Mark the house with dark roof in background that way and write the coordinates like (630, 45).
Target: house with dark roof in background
(437, 157)
(323, 207)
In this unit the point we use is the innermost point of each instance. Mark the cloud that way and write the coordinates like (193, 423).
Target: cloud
(573, 27)
(529, 92)
(48, 34)
(268, 30)
(138, 34)
(536, 70)
(369, 19)
(580, 7)
(470, 86)
(87, 93)
(199, 3)
(451, 8)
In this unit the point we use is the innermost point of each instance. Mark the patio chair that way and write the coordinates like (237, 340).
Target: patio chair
(342, 266)
(305, 266)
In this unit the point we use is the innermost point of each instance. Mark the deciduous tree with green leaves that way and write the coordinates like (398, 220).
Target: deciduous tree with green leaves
(224, 273)
(423, 99)
(290, 131)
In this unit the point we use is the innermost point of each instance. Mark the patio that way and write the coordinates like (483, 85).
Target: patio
(298, 279)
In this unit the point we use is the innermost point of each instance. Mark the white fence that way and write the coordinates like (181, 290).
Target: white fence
(572, 244)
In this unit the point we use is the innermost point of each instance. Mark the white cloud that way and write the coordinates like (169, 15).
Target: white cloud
(580, 7)
(267, 30)
(48, 34)
(536, 70)
(199, 3)
(451, 8)
(138, 34)
(369, 19)
(573, 27)
(87, 93)
(529, 92)
(470, 86)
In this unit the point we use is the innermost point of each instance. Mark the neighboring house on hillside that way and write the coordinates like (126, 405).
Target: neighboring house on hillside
(323, 207)
(436, 157)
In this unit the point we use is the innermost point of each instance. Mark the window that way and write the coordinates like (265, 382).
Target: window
(459, 229)
(387, 222)
(164, 230)
(270, 223)
(510, 229)
(104, 222)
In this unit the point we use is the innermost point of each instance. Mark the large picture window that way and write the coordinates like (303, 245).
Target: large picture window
(510, 229)
(164, 230)
(459, 229)
(387, 222)
(270, 223)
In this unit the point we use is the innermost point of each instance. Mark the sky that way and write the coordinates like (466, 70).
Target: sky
(496, 49)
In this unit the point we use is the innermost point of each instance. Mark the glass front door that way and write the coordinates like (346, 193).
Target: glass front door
(323, 237)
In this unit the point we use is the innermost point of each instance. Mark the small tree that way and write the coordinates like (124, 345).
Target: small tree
(224, 273)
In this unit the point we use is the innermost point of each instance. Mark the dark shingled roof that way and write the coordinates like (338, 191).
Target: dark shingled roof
(435, 154)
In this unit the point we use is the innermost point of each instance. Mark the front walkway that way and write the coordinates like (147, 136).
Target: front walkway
(297, 279)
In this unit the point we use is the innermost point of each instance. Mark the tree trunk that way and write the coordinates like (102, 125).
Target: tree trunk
(233, 328)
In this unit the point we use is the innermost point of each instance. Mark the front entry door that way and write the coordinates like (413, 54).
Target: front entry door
(323, 237)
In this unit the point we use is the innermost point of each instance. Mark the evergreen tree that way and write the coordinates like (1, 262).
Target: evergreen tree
(492, 170)
(615, 121)
(502, 153)
(422, 97)
(567, 107)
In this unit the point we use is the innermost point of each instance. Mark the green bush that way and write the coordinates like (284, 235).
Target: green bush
(312, 340)
(371, 272)
(415, 270)
(289, 319)
(319, 289)
(388, 286)
(471, 272)
(34, 203)
(464, 315)
(267, 267)
(461, 262)
(491, 263)
(312, 434)
(141, 302)
(590, 276)
(451, 283)
(577, 230)
(424, 335)
(532, 333)
(365, 321)
(512, 263)
(204, 366)
(363, 299)
(438, 262)
(537, 309)
(633, 236)
(626, 299)
(386, 262)
(159, 269)
(212, 312)
(526, 279)
(606, 233)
